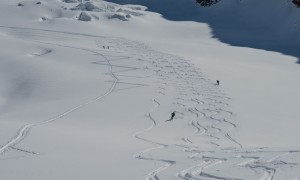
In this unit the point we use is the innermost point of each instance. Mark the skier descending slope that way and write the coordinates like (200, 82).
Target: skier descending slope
(172, 116)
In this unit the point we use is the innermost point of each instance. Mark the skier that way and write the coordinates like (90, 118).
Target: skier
(172, 116)
(218, 82)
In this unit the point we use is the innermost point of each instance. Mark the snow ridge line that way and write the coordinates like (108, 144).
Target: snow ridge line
(21, 134)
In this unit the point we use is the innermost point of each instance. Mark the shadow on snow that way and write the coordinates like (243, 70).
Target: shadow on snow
(230, 24)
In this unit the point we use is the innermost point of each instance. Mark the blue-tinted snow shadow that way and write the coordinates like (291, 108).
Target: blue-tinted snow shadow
(225, 24)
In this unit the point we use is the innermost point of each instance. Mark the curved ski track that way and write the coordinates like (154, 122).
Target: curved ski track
(198, 99)
(23, 131)
(26, 128)
(206, 106)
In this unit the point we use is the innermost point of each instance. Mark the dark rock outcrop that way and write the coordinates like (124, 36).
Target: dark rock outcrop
(296, 2)
(84, 17)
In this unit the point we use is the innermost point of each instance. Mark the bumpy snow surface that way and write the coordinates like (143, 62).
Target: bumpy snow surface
(93, 100)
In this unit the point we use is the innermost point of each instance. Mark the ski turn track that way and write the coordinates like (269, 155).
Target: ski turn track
(25, 129)
(167, 163)
(207, 150)
(200, 104)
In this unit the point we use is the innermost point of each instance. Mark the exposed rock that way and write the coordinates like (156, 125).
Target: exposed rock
(296, 2)
(88, 6)
(44, 18)
(84, 17)
(120, 17)
(91, 7)
(207, 2)
(20, 4)
(81, 7)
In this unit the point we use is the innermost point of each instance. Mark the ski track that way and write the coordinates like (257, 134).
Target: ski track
(23, 131)
(26, 128)
(153, 175)
(209, 117)
(199, 101)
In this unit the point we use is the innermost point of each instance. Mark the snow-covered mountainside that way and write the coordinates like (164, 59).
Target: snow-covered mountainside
(273, 25)
(97, 90)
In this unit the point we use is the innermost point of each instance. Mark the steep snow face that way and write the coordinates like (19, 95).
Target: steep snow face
(270, 24)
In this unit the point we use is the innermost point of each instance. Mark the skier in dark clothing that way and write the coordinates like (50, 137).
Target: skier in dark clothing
(218, 82)
(172, 116)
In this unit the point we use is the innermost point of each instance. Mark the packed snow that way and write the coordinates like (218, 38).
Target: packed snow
(88, 89)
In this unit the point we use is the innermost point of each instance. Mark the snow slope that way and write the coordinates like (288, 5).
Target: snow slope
(90, 100)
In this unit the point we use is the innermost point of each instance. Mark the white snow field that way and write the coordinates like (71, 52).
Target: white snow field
(86, 89)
